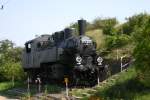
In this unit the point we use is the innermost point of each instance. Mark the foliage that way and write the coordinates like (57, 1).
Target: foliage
(109, 30)
(10, 58)
(134, 23)
(101, 23)
(117, 41)
(141, 52)
(126, 87)
(107, 25)
(11, 70)
(138, 28)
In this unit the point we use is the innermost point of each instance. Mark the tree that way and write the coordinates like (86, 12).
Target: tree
(142, 56)
(10, 58)
(142, 51)
(133, 23)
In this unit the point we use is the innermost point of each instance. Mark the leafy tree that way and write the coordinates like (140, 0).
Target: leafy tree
(142, 50)
(12, 71)
(142, 55)
(133, 23)
(10, 58)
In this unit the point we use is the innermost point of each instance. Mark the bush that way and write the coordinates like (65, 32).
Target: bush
(117, 41)
(109, 30)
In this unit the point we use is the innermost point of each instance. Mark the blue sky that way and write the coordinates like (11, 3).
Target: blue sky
(21, 20)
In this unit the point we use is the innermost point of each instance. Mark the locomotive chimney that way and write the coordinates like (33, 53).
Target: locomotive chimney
(82, 26)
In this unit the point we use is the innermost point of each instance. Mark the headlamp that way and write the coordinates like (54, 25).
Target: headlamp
(78, 60)
(99, 60)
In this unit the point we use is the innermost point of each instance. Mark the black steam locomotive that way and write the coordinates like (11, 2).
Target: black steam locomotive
(63, 54)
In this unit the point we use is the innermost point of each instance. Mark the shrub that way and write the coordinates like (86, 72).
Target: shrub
(117, 41)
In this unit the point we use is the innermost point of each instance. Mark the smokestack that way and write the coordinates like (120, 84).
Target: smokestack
(82, 26)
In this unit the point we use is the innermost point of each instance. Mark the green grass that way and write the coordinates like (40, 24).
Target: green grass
(123, 86)
(8, 85)
(5, 86)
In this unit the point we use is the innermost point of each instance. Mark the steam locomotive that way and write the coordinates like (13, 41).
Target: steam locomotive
(62, 54)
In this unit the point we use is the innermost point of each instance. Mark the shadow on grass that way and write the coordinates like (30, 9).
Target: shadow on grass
(6, 86)
(128, 90)
(20, 90)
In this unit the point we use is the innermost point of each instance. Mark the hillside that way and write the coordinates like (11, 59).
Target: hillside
(98, 36)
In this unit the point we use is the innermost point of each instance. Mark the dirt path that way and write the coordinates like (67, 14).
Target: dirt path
(3, 98)
(58, 96)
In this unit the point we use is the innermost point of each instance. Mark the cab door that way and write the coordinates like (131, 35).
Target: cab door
(28, 56)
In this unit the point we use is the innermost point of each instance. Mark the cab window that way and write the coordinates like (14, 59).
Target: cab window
(28, 47)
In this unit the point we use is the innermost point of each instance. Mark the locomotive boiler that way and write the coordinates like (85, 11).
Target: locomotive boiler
(62, 54)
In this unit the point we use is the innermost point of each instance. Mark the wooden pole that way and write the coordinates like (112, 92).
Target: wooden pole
(28, 81)
(67, 90)
(13, 83)
(117, 55)
(98, 81)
